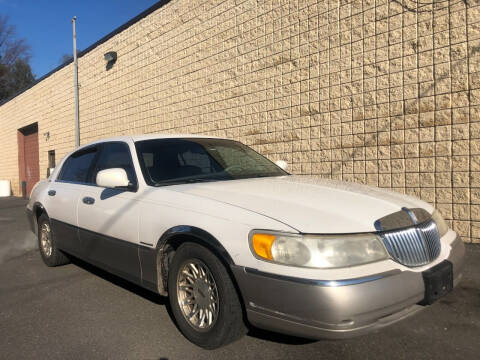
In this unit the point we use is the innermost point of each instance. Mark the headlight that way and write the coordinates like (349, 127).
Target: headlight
(441, 223)
(317, 251)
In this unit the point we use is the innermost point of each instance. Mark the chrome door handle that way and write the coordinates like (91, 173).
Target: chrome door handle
(88, 200)
(52, 192)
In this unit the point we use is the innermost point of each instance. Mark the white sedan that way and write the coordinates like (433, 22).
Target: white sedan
(231, 238)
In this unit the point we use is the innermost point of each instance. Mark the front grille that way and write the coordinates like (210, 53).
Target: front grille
(414, 246)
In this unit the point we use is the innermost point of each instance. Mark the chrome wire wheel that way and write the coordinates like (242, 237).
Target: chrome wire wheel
(197, 295)
(46, 240)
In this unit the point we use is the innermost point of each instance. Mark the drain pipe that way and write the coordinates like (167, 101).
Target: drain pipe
(75, 84)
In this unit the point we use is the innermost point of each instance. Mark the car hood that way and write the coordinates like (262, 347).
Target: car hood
(308, 204)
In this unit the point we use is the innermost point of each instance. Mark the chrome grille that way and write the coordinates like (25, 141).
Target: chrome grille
(414, 246)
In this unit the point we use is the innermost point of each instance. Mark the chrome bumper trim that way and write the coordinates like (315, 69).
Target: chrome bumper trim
(324, 309)
(329, 283)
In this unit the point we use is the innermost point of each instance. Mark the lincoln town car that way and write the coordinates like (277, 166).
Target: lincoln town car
(234, 240)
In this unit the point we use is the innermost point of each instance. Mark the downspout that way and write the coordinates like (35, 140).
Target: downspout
(75, 84)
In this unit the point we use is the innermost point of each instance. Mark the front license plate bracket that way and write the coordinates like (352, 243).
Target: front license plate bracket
(438, 282)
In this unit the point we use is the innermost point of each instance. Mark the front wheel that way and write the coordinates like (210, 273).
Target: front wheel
(203, 299)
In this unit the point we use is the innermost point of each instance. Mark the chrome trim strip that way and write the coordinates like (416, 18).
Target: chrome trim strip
(403, 219)
(328, 283)
(378, 225)
(411, 214)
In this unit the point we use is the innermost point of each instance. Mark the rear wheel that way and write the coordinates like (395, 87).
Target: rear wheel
(203, 299)
(51, 255)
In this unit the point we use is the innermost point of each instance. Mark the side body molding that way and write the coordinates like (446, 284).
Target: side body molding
(159, 259)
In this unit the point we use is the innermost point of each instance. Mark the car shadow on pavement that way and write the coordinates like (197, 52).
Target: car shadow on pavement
(277, 337)
(162, 300)
(124, 284)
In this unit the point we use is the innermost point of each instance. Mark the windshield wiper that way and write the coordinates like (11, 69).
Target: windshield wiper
(189, 181)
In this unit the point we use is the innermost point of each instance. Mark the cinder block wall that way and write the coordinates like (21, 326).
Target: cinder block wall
(374, 91)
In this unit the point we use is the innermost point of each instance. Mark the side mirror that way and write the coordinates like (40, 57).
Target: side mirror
(112, 178)
(50, 172)
(282, 164)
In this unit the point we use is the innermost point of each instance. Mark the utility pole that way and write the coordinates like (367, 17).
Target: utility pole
(75, 84)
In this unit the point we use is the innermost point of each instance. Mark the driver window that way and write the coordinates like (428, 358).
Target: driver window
(116, 155)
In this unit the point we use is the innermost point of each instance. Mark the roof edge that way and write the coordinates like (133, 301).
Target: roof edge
(104, 39)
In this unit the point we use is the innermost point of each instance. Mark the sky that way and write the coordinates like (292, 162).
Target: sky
(47, 28)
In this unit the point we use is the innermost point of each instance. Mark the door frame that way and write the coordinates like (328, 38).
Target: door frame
(22, 133)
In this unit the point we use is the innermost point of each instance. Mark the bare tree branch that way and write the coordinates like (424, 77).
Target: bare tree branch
(15, 71)
(68, 57)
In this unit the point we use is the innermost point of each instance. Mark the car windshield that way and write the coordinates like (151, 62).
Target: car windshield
(189, 160)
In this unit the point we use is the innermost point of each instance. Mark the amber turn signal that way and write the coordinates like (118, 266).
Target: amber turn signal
(262, 245)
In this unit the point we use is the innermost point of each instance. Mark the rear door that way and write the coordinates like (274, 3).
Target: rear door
(64, 194)
(108, 218)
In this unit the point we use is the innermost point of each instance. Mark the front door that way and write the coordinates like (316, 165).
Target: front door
(108, 218)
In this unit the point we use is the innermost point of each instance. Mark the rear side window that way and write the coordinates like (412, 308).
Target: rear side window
(116, 155)
(77, 166)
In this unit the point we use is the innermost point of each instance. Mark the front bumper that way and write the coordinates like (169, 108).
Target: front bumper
(334, 310)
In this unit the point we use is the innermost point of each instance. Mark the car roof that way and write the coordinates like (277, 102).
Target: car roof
(170, 136)
(135, 138)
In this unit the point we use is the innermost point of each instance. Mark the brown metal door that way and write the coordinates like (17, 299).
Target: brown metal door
(28, 164)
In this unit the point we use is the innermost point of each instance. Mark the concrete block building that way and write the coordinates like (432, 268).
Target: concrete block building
(381, 92)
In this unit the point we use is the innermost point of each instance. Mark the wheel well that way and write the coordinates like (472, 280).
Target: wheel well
(38, 210)
(166, 252)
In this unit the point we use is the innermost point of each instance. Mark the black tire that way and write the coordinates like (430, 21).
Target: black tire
(229, 324)
(55, 257)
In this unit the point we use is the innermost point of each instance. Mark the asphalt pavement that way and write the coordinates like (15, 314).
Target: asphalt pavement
(80, 312)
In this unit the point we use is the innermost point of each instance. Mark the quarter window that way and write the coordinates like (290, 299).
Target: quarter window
(77, 166)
